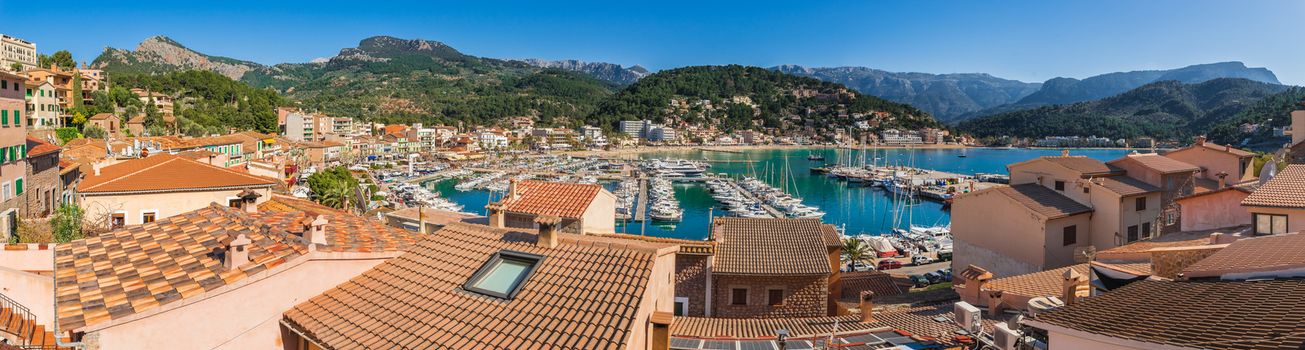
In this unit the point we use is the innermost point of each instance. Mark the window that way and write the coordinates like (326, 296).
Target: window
(503, 275)
(739, 296)
(1266, 224)
(1070, 235)
(1086, 189)
(118, 220)
(18, 186)
(233, 202)
(4, 118)
(1140, 203)
(1132, 234)
(1060, 185)
(1171, 217)
(147, 217)
(775, 297)
(1146, 230)
(681, 306)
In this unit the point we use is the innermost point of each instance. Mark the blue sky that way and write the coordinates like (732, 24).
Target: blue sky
(1024, 40)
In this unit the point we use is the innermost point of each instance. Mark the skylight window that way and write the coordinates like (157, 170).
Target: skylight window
(504, 273)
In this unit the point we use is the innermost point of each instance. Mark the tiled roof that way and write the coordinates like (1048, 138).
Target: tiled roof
(1256, 255)
(166, 173)
(1159, 163)
(1205, 187)
(1171, 240)
(1042, 200)
(282, 203)
(122, 272)
(881, 283)
(1229, 149)
(103, 116)
(1286, 189)
(1193, 314)
(1135, 268)
(431, 215)
(1125, 186)
(756, 246)
(38, 147)
(915, 320)
(345, 232)
(1037, 284)
(567, 200)
(1082, 164)
(584, 294)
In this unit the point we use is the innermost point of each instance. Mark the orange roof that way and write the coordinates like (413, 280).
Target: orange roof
(756, 246)
(1159, 163)
(163, 173)
(345, 232)
(583, 294)
(1284, 190)
(1255, 255)
(281, 203)
(1037, 284)
(1039, 199)
(102, 116)
(395, 129)
(567, 200)
(37, 147)
(1081, 164)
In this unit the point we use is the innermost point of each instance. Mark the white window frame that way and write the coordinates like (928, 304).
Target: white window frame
(685, 308)
(8, 189)
(229, 198)
(148, 211)
(124, 217)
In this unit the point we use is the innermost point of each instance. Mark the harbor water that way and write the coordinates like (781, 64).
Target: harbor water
(857, 208)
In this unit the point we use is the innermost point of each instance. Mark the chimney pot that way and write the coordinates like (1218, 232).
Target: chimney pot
(547, 230)
(1073, 280)
(237, 253)
(316, 232)
(867, 306)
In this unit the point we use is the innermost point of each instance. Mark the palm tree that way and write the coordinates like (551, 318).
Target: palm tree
(856, 250)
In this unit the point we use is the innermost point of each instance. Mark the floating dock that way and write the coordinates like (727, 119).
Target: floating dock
(769, 209)
(641, 203)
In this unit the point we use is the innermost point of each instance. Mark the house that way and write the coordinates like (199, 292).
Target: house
(215, 277)
(110, 123)
(1221, 207)
(144, 190)
(44, 110)
(1251, 289)
(160, 100)
(61, 79)
(323, 152)
(1058, 209)
(44, 185)
(764, 268)
(136, 125)
(478, 287)
(1278, 206)
(1174, 178)
(582, 208)
(13, 150)
(1216, 159)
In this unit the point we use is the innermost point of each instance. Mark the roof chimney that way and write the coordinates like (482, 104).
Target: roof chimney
(316, 233)
(867, 306)
(547, 230)
(237, 252)
(1064, 153)
(1200, 140)
(661, 329)
(1069, 291)
(514, 191)
(1222, 178)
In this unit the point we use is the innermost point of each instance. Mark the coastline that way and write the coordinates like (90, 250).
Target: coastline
(617, 153)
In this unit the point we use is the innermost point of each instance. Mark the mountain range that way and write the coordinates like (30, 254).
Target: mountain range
(1167, 109)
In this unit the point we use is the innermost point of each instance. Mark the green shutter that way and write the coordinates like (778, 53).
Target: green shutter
(18, 117)
(18, 186)
(4, 118)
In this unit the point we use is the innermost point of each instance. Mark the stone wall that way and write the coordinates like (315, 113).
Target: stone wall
(1168, 263)
(804, 296)
(691, 282)
(43, 187)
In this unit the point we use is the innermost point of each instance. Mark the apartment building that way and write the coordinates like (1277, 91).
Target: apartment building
(44, 107)
(13, 150)
(15, 50)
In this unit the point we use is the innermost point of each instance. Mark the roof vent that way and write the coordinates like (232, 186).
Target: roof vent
(236, 250)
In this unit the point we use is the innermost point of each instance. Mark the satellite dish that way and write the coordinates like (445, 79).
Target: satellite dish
(1014, 321)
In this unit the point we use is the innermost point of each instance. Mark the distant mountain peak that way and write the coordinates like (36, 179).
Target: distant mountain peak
(161, 54)
(609, 72)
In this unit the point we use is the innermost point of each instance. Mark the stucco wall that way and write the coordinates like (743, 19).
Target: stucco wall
(1057, 253)
(1295, 217)
(1213, 162)
(98, 208)
(660, 296)
(1018, 236)
(1050, 173)
(245, 317)
(30, 257)
(804, 296)
(1216, 210)
(600, 217)
(36, 292)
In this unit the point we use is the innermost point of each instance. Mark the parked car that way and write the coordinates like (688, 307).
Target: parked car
(920, 260)
(919, 281)
(934, 277)
(945, 255)
(889, 264)
(946, 274)
(859, 266)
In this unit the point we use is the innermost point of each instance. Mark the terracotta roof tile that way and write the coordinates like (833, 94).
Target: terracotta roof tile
(1193, 314)
(1229, 149)
(281, 203)
(882, 284)
(1042, 200)
(1082, 164)
(1037, 284)
(582, 295)
(1253, 256)
(756, 246)
(560, 199)
(37, 147)
(167, 173)
(1159, 163)
(1286, 189)
(1125, 186)
(345, 232)
(122, 272)
(917, 320)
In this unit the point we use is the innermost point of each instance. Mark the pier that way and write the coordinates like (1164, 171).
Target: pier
(771, 210)
(704, 149)
(641, 203)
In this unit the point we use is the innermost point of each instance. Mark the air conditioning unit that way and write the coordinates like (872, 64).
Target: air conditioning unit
(970, 318)
(1005, 338)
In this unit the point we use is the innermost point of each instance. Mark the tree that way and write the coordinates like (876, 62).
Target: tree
(16, 67)
(44, 61)
(94, 131)
(67, 223)
(856, 250)
(64, 60)
(334, 187)
(77, 90)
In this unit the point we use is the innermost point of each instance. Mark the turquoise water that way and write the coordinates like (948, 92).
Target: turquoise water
(859, 209)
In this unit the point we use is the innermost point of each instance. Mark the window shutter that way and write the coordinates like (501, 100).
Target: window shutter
(18, 186)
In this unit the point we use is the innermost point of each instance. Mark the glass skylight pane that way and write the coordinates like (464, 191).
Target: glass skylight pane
(502, 276)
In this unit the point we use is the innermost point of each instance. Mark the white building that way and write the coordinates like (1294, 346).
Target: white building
(15, 50)
(489, 140)
(662, 134)
(636, 128)
(897, 137)
(300, 126)
(43, 108)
